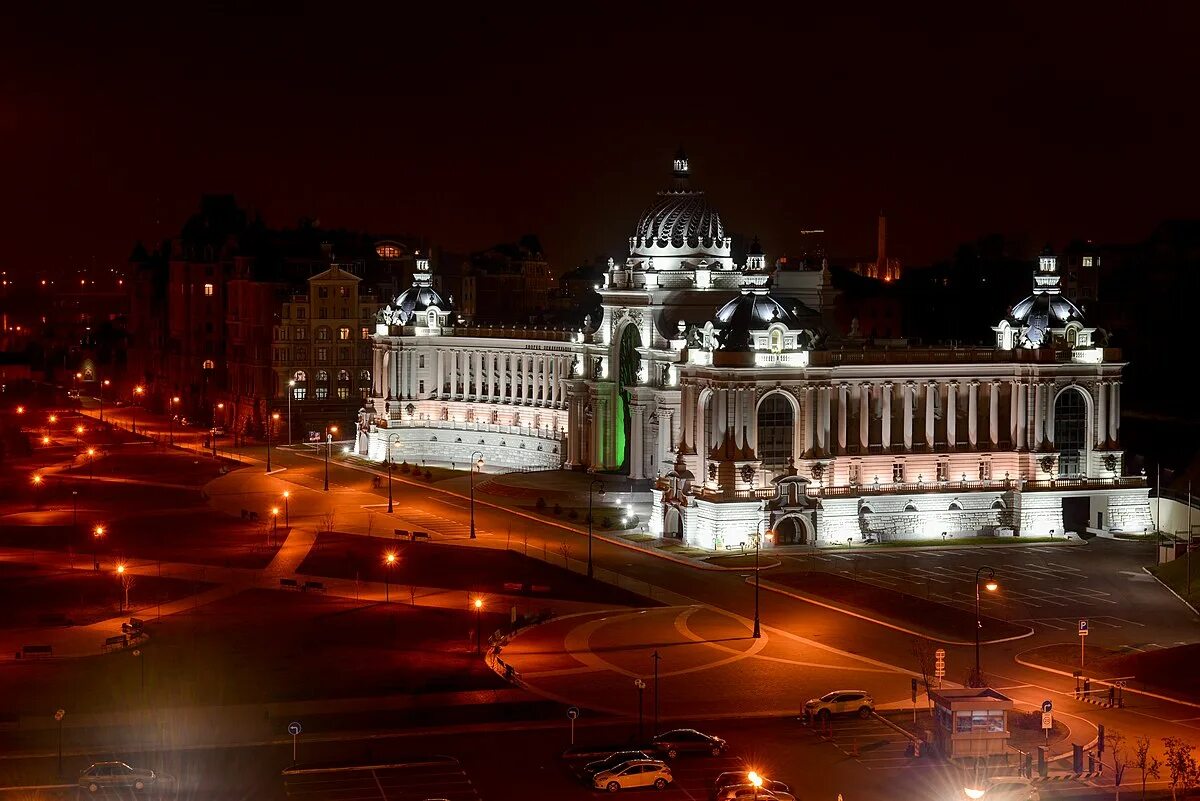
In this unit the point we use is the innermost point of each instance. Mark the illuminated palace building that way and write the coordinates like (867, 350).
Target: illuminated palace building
(724, 388)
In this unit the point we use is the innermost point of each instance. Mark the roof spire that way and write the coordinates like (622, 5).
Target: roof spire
(680, 169)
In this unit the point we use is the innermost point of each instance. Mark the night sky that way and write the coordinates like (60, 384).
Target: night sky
(472, 126)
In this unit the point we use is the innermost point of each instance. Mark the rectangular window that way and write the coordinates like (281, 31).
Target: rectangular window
(301, 313)
(301, 332)
(323, 313)
(343, 392)
(985, 471)
(299, 392)
(344, 291)
(421, 361)
(321, 393)
(421, 387)
(943, 470)
(366, 333)
(322, 292)
(301, 354)
(343, 355)
(1087, 261)
(208, 289)
(897, 472)
(322, 354)
(344, 333)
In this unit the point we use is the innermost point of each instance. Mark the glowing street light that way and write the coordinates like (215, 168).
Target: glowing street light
(126, 582)
(291, 387)
(91, 454)
(392, 440)
(100, 389)
(329, 432)
(755, 780)
(138, 391)
(171, 403)
(20, 410)
(97, 534)
(976, 679)
(274, 522)
(287, 523)
(478, 622)
(37, 487)
(389, 560)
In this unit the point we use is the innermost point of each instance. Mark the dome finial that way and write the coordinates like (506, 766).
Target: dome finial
(680, 168)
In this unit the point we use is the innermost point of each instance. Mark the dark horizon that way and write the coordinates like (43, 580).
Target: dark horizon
(471, 130)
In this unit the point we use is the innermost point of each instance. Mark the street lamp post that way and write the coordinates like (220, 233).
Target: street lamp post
(641, 688)
(390, 440)
(329, 432)
(171, 403)
(271, 418)
(100, 386)
(991, 586)
(126, 580)
(214, 428)
(756, 781)
(97, 535)
(657, 657)
(91, 455)
(274, 524)
(37, 490)
(475, 465)
(291, 392)
(389, 559)
(287, 520)
(758, 536)
(591, 489)
(138, 391)
(478, 623)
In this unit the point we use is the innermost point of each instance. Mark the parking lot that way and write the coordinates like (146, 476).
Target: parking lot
(694, 776)
(874, 744)
(436, 777)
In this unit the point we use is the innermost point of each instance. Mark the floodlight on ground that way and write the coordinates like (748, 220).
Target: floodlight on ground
(755, 779)
(20, 410)
(78, 429)
(972, 792)
(98, 531)
(139, 390)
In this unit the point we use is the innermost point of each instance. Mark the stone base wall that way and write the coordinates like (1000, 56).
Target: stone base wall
(445, 446)
(1129, 510)
(1040, 513)
(715, 525)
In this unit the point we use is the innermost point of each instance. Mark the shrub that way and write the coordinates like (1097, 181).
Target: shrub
(405, 468)
(633, 521)
(541, 504)
(557, 509)
(573, 514)
(606, 522)
(429, 475)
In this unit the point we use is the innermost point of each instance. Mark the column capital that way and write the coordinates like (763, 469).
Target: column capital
(887, 384)
(866, 384)
(952, 384)
(974, 382)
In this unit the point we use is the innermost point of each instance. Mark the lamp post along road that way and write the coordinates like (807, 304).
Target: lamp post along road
(389, 559)
(478, 623)
(291, 392)
(758, 536)
(271, 418)
(391, 439)
(591, 490)
(329, 432)
(475, 465)
(641, 688)
(991, 586)
(287, 520)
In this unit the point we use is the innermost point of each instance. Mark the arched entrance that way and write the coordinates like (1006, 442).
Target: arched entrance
(776, 429)
(1070, 431)
(672, 523)
(629, 363)
(791, 530)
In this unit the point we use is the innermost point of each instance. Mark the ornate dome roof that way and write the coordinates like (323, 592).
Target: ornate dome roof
(415, 300)
(1050, 307)
(754, 311)
(680, 217)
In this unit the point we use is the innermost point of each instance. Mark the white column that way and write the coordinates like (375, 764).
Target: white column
(1114, 412)
(1101, 413)
(479, 375)
(527, 363)
(864, 416)
(931, 390)
(437, 381)
(973, 414)
(1039, 400)
(843, 391)
(1022, 413)
(810, 420)
(951, 414)
(1050, 413)
(636, 442)
(822, 419)
(910, 390)
(886, 414)
(994, 414)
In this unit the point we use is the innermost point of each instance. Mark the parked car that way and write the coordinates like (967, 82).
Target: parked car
(611, 761)
(1005, 788)
(635, 773)
(105, 775)
(740, 778)
(682, 741)
(748, 792)
(841, 702)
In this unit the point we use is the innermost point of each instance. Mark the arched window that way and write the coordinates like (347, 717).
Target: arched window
(1070, 431)
(865, 510)
(364, 382)
(300, 390)
(344, 334)
(343, 387)
(998, 504)
(1072, 337)
(955, 506)
(910, 507)
(433, 319)
(209, 364)
(321, 390)
(776, 340)
(775, 429)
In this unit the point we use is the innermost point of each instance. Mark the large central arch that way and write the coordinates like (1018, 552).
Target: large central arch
(776, 429)
(629, 364)
(1071, 431)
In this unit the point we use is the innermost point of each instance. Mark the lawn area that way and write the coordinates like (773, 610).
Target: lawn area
(463, 567)
(170, 467)
(36, 596)
(935, 620)
(1174, 574)
(960, 541)
(264, 646)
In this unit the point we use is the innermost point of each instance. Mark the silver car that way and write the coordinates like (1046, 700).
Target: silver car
(107, 775)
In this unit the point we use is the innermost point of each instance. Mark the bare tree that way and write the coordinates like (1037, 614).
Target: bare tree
(1181, 764)
(1115, 742)
(327, 522)
(1148, 765)
(564, 548)
(370, 521)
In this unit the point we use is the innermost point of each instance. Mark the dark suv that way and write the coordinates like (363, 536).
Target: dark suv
(683, 741)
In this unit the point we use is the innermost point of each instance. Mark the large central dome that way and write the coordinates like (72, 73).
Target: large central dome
(678, 218)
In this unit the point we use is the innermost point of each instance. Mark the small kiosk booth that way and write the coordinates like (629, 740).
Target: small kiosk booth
(970, 723)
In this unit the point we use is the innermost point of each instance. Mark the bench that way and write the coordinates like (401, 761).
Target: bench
(539, 588)
(314, 586)
(289, 584)
(36, 651)
(134, 626)
(420, 535)
(399, 532)
(111, 643)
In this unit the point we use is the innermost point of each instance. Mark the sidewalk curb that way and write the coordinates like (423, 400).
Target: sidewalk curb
(1156, 696)
(1168, 589)
(773, 587)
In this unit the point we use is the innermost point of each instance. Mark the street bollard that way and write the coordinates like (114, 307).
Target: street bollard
(1076, 758)
(1091, 762)
(1042, 767)
(1028, 766)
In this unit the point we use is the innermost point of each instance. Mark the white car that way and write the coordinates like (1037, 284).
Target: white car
(634, 774)
(1005, 788)
(747, 792)
(841, 702)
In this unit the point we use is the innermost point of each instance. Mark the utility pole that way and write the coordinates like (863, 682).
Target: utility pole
(657, 658)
